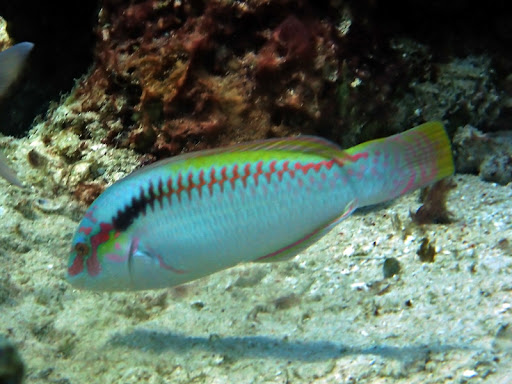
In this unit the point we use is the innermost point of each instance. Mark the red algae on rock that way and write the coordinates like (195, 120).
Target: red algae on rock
(171, 77)
(291, 40)
(191, 75)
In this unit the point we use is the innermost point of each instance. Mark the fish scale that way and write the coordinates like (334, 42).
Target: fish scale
(196, 181)
(241, 213)
(189, 216)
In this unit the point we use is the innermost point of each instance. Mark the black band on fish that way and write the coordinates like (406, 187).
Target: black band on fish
(137, 206)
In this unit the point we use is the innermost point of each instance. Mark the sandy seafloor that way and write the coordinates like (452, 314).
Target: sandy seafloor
(326, 316)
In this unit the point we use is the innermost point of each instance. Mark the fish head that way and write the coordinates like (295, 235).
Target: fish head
(100, 256)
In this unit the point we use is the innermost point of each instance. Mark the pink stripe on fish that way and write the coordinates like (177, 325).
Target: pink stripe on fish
(185, 182)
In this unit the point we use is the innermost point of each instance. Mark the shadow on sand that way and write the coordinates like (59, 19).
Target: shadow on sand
(249, 347)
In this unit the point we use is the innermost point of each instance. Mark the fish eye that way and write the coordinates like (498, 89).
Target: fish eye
(81, 249)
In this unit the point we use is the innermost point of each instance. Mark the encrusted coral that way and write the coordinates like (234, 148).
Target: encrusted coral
(173, 76)
(489, 155)
(190, 75)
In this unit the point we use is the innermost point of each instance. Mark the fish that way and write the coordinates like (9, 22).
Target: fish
(11, 63)
(189, 216)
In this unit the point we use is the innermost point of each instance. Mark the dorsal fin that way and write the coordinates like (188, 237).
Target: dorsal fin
(302, 144)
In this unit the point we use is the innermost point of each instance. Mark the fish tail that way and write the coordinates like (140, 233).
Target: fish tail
(398, 164)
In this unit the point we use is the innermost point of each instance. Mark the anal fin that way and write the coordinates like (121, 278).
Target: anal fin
(297, 247)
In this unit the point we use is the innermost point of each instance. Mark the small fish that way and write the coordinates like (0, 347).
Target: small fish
(11, 63)
(192, 215)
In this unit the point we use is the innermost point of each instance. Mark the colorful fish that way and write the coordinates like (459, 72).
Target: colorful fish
(189, 216)
(11, 62)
